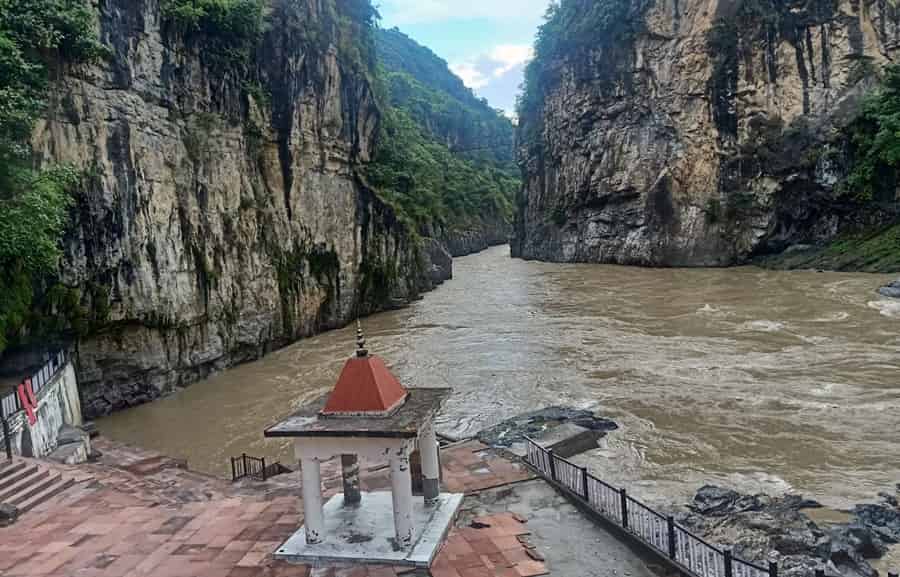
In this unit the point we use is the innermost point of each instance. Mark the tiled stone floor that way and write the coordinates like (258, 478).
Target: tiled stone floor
(137, 514)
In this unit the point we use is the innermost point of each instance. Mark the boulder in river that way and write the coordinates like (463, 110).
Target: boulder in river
(756, 526)
(891, 290)
(514, 430)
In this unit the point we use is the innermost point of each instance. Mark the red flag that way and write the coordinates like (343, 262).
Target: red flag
(29, 402)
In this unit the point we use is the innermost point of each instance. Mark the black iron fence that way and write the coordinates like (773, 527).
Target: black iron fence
(245, 467)
(11, 403)
(693, 555)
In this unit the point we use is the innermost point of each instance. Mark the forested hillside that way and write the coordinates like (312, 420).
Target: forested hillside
(444, 157)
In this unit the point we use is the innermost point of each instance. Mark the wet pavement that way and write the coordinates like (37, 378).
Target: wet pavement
(137, 513)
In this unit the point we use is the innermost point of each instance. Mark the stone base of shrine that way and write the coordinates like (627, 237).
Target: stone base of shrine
(363, 534)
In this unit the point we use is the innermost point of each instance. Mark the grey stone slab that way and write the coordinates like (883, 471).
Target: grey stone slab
(569, 439)
(364, 534)
(420, 406)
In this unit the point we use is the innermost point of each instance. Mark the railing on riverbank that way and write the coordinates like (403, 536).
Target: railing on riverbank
(245, 466)
(11, 403)
(690, 553)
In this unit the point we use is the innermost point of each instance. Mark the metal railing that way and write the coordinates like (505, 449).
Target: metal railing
(693, 555)
(11, 404)
(245, 466)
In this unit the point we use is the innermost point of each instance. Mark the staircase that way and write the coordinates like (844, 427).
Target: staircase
(25, 483)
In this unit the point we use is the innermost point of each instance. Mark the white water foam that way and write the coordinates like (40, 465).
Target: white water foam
(833, 318)
(763, 326)
(887, 308)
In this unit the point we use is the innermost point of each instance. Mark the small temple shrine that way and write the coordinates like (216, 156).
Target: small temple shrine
(370, 416)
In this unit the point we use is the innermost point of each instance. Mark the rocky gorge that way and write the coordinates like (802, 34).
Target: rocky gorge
(700, 133)
(223, 210)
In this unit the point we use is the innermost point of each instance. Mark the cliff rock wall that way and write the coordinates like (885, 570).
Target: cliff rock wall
(709, 135)
(222, 213)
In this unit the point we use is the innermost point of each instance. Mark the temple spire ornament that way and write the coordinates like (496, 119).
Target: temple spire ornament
(361, 350)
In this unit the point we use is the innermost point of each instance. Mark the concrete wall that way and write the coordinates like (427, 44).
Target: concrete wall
(58, 405)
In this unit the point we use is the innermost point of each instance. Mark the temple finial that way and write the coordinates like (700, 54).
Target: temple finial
(360, 341)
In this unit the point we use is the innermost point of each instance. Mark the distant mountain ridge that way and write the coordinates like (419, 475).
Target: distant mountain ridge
(422, 84)
(445, 158)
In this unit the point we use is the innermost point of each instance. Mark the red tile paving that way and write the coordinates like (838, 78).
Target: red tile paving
(139, 514)
(490, 547)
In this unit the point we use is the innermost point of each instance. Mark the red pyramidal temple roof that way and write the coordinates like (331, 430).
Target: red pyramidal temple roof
(365, 387)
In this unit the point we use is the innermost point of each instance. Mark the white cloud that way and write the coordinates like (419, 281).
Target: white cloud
(405, 12)
(508, 56)
(496, 63)
(496, 74)
(471, 76)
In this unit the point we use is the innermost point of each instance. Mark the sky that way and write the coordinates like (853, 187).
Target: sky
(486, 42)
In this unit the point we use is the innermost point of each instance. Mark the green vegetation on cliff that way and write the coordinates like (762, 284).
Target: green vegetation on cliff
(231, 27)
(875, 137)
(876, 251)
(572, 28)
(432, 187)
(35, 36)
(444, 156)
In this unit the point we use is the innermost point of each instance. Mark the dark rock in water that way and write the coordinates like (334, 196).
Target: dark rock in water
(889, 499)
(531, 424)
(718, 501)
(8, 514)
(883, 520)
(891, 290)
(856, 539)
(756, 526)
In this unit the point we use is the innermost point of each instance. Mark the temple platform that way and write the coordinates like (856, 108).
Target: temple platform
(358, 534)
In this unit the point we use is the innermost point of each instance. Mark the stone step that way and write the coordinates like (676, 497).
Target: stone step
(59, 485)
(35, 475)
(14, 475)
(9, 467)
(35, 488)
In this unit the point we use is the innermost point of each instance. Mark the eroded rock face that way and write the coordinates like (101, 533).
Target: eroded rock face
(705, 138)
(466, 242)
(761, 528)
(223, 215)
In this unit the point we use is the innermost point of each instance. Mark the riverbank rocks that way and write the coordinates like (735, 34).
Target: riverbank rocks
(891, 290)
(756, 526)
(538, 423)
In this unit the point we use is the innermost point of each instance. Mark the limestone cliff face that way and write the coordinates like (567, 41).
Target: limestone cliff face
(710, 135)
(223, 214)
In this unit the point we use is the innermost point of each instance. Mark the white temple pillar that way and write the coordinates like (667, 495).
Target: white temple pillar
(431, 468)
(313, 515)
(401, 492)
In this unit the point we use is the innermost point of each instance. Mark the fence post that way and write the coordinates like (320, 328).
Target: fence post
(552, 458)
(729, 563)
(584, 484)
(773, 569)
(7, 439)
(673, 548)
(233, 471)
(264, 469)
(624, 495)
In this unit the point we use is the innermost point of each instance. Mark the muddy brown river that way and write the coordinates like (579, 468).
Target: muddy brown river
(765, 381)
